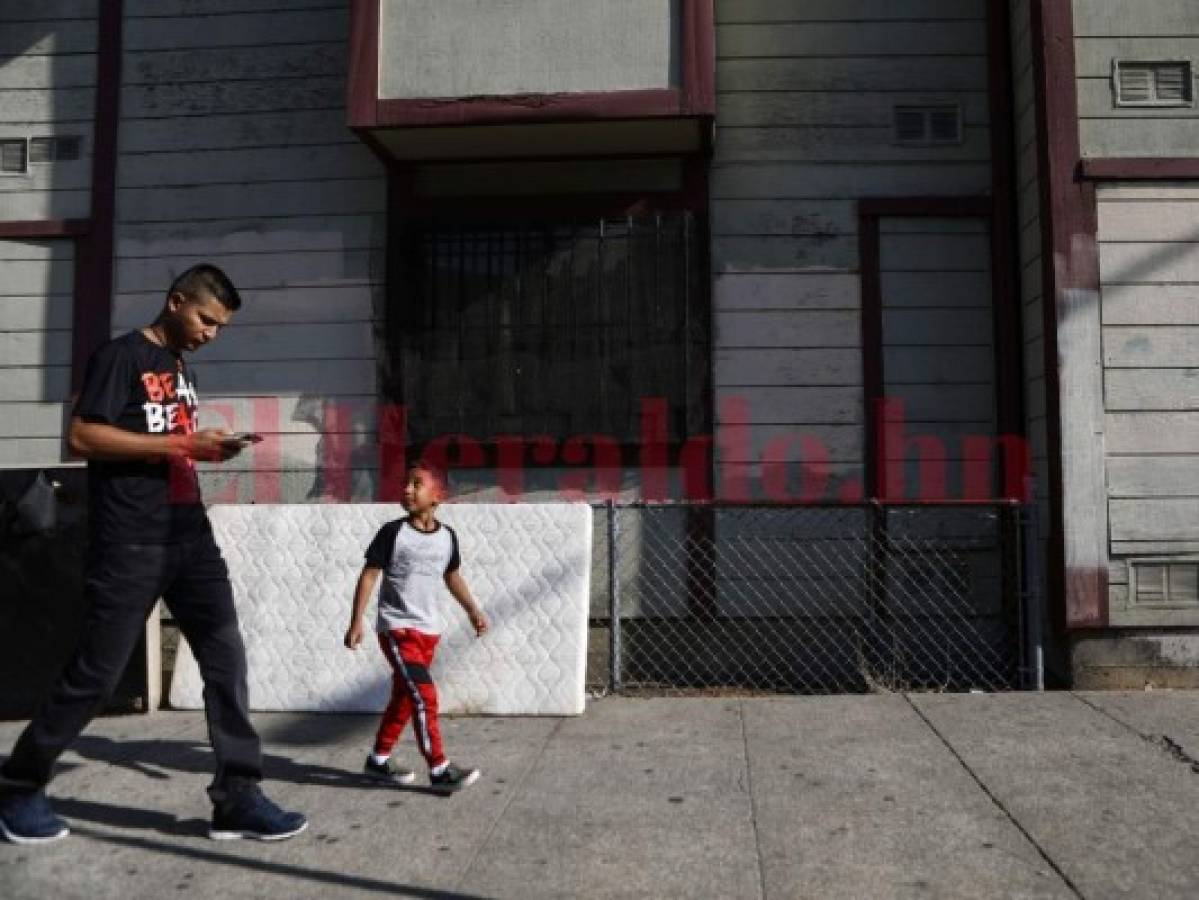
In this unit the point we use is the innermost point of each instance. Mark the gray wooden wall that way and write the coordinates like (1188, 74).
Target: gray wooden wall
(805, 97)
(1149, 264)
(47, 88)
(234, 150)
(1147, 30)
(938, 349)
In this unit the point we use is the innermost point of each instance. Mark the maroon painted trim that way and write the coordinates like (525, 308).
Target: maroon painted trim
(1139, 168)
(368, 137)
(45, 228)
(699, 57)
(1006, 301)
(94, 249)
(1069, 254)
(516, 108)
(371, 137)
(362, 80)
(696, 97)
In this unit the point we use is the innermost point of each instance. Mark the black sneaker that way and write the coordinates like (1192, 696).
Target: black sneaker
(26, 818)
(251, 815)
(454, 779)
(388, 771)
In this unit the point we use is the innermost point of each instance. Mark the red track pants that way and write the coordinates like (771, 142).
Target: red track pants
(413, 694)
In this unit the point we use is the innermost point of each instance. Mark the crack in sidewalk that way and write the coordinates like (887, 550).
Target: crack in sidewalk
(998, 804)
(753, 803)
(512, 795)
(1162, 742)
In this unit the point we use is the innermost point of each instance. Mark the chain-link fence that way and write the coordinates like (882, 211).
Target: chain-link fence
(810, 599)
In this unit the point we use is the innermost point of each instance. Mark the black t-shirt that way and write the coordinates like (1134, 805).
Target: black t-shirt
(134, 384)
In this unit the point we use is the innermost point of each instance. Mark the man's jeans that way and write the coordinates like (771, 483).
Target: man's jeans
(122, 583)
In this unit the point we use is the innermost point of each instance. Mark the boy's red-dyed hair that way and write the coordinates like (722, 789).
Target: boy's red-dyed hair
(435, 472)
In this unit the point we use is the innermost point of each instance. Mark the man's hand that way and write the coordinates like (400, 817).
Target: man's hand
(354, 635)
(214, 445)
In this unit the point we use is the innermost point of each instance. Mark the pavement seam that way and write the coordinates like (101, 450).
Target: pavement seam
(753, 803)
(1162, 742)
(1044, 854)
(516, 790)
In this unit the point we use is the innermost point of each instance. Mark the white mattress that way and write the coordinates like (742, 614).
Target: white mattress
(294, 568)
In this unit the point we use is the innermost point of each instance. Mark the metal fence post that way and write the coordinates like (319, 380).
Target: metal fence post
(1032, 569)
(613, 599)
(1015, 524)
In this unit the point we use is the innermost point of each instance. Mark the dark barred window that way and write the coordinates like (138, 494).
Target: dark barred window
(555, 329)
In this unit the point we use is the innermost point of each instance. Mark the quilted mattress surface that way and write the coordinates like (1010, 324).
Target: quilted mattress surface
(294, 568)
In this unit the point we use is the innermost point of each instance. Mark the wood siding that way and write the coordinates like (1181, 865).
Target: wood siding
(805, 105)
(35, 349)
(938, 348)
(47, 89)
(1149, 244)
(1145, 30)
(234, 150)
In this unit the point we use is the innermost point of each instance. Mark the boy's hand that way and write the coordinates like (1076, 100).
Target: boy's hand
(479, 621)
(354, 635)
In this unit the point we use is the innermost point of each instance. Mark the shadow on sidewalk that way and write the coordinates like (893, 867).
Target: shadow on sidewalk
(129, 817)
(121, 816)
(156, 759)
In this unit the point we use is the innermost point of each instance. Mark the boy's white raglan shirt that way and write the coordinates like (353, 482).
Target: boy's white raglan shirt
(414, 565)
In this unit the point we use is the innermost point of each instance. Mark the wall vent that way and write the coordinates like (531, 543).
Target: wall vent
(14, 156)
(1152, 83)
(928, 125)
(62, 148)
(1157, 583)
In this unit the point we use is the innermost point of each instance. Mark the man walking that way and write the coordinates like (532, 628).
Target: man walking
(135, 422)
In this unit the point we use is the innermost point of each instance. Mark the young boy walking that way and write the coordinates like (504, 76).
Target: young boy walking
(416, 555)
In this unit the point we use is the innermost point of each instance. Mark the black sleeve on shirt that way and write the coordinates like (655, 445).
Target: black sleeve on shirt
(106, 385)
(378, 554)
(455, 559)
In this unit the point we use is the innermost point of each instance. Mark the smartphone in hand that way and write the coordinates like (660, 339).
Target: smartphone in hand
(245, 437)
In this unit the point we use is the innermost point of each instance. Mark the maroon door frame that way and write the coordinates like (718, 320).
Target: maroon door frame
(1077, 555)
(1005, 306)
(94, 249)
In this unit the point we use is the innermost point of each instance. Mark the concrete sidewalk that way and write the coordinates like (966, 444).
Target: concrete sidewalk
(1019, 795)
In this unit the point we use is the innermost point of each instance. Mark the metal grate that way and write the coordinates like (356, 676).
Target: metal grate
(822, 599)
(64, 148)
(928, 125)
(548, 329)
(1167, 583)
(1145, 83)
(14, 156)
